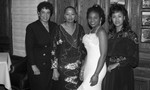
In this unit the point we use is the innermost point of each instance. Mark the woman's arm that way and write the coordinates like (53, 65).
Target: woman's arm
(82, 68)
(56, 51)
(29, 43)
(103, 51)
(132, 56)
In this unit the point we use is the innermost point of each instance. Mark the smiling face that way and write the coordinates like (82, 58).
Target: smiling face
(70, 15)
(94, 19)
(118, 19)
(44, 15)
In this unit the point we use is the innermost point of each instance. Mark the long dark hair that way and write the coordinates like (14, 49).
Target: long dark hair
(118, 8)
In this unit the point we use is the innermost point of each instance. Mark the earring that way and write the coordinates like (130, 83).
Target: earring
(100, 23)
(75, 21)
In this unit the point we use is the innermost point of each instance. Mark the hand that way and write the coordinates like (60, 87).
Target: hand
(81, 75)
(94, 80)
(55, 74)
(35, 69)
(112, 66)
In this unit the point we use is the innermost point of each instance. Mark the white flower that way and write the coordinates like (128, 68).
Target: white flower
(60, 41)
(71, 79)
(73, 66)
(57, 43)
(53, 52)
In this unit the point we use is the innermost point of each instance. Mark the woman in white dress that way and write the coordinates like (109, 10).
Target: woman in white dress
(94, 68)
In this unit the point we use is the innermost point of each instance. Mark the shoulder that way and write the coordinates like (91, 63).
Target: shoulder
(35, 23)
(132, 35)
(102, 31)
(32, 26)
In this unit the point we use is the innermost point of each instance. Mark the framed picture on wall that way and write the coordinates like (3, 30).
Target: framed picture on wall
(117, 1)
(145, 35)
(146, 4)
(146, 18)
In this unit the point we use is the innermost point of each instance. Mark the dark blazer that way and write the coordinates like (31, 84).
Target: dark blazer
(39, 44)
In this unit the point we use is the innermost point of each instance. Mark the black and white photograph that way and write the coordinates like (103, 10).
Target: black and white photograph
(146, 18)
(145, 36)
(117, 1)
(74, 44)
(146, 4)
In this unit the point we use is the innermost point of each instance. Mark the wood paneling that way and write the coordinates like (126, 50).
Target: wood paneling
(142, 83)
(142, 72)
(144, 47)
(61, 5)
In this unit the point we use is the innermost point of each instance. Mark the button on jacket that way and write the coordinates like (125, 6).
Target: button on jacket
(39, 44)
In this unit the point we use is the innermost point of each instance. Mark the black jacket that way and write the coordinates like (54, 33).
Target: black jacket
(39, 44)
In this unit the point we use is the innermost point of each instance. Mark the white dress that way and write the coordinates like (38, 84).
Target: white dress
(91, 43)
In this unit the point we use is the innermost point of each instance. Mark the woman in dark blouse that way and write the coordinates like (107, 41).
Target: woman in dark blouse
(70, 51)
(122, 51)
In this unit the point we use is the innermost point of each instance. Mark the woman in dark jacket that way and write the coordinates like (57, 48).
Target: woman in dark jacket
(39, 46)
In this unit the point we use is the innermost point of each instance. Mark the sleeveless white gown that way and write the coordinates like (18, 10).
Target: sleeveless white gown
(91, 43)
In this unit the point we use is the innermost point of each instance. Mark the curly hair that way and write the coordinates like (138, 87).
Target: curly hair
(46, 5)
(118, 8)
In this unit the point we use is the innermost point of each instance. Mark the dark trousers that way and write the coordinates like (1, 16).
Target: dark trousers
(42, 81)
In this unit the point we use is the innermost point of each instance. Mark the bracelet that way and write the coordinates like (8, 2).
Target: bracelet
(54, 63)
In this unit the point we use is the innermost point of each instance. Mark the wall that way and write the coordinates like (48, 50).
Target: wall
(142, 72)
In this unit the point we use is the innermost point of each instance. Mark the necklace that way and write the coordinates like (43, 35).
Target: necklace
(95, 30)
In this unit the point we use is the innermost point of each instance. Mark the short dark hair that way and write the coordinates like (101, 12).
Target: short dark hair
(118, 8)
(46, 5)
(96, 8)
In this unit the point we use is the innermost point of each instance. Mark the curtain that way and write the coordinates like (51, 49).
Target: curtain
(23, 12)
